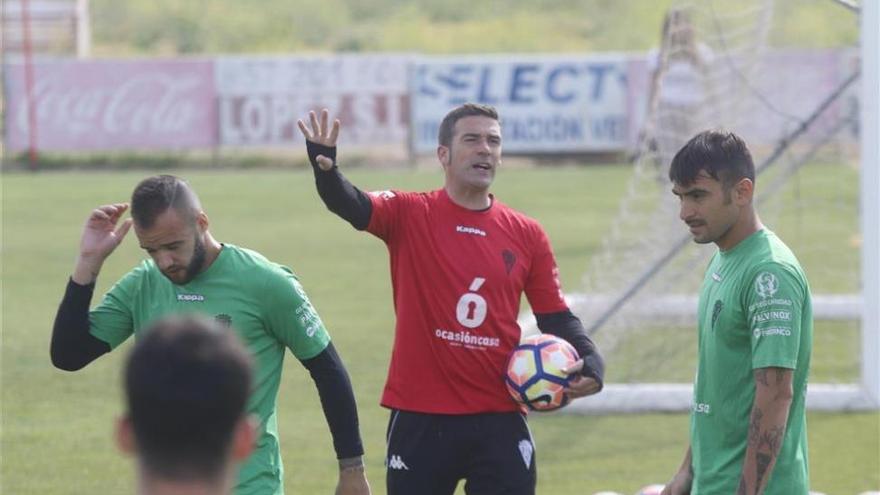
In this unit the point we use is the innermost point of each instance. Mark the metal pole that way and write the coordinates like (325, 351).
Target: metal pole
(29, 83)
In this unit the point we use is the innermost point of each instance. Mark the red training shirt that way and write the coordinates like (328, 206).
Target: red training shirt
(457, 277)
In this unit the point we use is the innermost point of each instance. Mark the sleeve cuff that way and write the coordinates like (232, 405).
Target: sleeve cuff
(315, 149)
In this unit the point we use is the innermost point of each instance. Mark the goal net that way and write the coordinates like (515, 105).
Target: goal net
(725, 65)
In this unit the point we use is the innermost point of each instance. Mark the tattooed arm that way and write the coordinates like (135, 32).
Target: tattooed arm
(773, 395)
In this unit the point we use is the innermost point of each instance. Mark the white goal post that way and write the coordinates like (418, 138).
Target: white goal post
(650, 281)
(870, 194)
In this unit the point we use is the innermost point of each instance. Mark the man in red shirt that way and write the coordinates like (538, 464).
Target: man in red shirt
(460, 262)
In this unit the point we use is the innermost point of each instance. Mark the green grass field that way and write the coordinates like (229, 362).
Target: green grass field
(56, 426)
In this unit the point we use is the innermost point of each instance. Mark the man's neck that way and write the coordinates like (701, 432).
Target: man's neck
(748, 225)
(212, 250)
(471, 199)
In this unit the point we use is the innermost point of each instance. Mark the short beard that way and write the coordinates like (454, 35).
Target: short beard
(198, 259)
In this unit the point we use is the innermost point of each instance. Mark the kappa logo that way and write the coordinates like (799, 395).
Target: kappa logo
(766, 285)
(190, 297)
(470, 230)
(526, 450)
(397, 463)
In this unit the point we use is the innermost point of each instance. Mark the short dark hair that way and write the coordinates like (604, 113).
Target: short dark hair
(187, 381)
(447, 126)
(723, 155)
(155, 195)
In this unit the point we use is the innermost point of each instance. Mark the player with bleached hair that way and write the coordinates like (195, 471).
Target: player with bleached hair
(460, 262)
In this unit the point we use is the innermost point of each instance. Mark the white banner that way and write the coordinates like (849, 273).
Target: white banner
(261, 98)
(547, 104)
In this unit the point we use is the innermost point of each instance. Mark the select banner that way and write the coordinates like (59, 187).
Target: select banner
(547, 104)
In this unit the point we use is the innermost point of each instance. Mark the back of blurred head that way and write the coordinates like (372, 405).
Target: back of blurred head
(187, 381)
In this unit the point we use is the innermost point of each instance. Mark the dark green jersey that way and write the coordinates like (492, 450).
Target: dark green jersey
(754, 312)
(262, 301)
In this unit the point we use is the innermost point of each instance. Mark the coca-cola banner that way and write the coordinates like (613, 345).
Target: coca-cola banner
(113, 104)
(261, 98)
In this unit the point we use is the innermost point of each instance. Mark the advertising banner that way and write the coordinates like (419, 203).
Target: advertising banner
(547, 103)
(261, 98)
(112, 105)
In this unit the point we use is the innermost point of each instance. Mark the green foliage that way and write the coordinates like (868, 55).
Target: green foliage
(57, 426)
(166, 27)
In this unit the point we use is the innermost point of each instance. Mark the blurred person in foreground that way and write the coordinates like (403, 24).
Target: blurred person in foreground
(748, 432)
(460, 262)
(188, 271)
(187, 381)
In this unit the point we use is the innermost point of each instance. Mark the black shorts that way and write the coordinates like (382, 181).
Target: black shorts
(429, 453)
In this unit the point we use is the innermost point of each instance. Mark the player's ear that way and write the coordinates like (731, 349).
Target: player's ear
(202, 221)
(443, 155)
(743, 191)
(244, 437)
(125, 440)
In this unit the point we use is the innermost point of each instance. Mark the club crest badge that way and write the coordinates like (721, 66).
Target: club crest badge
(716, 310)
(766, 285)
(509, 260)
(525, 450)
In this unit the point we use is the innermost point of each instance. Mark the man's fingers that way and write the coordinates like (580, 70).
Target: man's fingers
(574, 368)
(324, 162)
(324, 116)
(123, 229)
(109, 212)
(305, 130)
(334, 133)
(118, 210)
(316, 129)
(99, 214)
(582, 386)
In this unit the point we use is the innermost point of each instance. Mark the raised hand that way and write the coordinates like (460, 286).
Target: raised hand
(320, 134)
(101, 234)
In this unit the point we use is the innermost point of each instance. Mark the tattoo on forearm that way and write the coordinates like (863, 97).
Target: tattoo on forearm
(755, 426)
(762, 462)
(772, 439)
(780, 376)
(761, 376)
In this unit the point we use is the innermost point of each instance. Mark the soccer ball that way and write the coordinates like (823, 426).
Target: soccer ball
(534, 372)
(651, 490)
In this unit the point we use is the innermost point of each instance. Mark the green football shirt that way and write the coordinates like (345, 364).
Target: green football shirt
(262, 301)
(754, 312)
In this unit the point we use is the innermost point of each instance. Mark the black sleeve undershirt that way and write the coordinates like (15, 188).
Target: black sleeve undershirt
(337, 401)
(73, 347)
(340, 196)
(567, 326)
